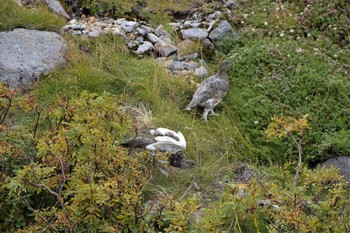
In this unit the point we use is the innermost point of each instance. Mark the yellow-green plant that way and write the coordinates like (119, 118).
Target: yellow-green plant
(293, 128)
(80, 179)
(270, 203)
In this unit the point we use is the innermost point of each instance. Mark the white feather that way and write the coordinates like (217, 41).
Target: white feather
(182, 139)
(165, 146)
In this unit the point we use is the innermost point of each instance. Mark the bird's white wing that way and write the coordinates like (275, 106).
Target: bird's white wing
(182, 139)
(165, 146)
(166, 139)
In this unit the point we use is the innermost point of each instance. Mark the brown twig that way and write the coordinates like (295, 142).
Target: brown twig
(6, 111)
(185, 193)
(42, 217)
(37, 120)
(62, 172)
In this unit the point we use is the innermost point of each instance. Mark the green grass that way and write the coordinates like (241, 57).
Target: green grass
(13, 16)
(283, 77)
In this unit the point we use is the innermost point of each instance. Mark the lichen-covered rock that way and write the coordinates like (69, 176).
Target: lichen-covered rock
(194, 33)
(165, 49)
(223, 30)
(27, 54)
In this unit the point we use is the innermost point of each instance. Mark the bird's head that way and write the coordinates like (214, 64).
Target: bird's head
(225, 65)
(187, 163)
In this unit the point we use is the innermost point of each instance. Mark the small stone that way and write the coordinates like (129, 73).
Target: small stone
(147, 29)
(194, 33)
(141, 31)
(215, 15)
(144, 48)
(139, 40)
(161, 32)
(73, 27)
(153, 38)
(174, 24)
(133, 44)
(165, 49)
(166, 40)
(190, 57)
(191, 65)
(224, 29)
(94, 33)
(129, 26)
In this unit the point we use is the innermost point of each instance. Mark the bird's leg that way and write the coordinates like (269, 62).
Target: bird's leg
(205, 114)
(213, 113)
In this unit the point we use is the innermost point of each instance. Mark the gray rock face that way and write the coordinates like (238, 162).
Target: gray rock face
(165, 49)
(144, 48)
(194, 33)
(56, 7)
(27, 54)
(224, 29)
(342, 162)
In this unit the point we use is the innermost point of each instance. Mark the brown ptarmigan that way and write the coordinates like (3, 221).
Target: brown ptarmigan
(211, 91)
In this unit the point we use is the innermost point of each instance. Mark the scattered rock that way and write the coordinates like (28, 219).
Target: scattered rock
(194, 33)
(28, 54)
(165, 49)
(224, 29)
(341, 162)
(161, 32)
(94, 33)
(142, 39)
(153, 38)
(129, 26)
(141, 31)
(144, 48)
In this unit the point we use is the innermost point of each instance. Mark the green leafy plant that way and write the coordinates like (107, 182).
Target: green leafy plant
(79, 178)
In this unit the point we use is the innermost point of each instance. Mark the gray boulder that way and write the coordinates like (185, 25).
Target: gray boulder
(165, 49)
(341, 162)
(224, 29)
(27, 54)
(194, 33)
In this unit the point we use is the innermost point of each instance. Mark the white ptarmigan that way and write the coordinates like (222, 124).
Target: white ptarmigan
(165, 140)
(211, 91)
